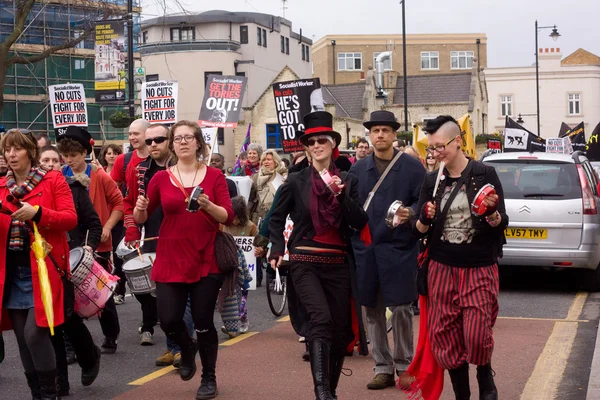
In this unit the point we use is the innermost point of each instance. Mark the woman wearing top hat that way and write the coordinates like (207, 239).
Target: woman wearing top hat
(320, 252)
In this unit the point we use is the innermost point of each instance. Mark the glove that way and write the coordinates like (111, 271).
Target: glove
(427, 216)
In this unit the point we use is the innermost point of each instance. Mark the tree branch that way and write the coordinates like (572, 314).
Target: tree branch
(20, 20)
(49, 50)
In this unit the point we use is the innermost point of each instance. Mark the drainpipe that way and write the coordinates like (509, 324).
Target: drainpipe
(379, 62)
(334, 58)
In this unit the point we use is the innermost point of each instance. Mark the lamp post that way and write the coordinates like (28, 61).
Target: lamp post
(520, 119)
(554, 35)
(404, 67)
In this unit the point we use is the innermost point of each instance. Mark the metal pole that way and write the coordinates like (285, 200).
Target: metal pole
(130, 61)
(537, 78)
(404, 67)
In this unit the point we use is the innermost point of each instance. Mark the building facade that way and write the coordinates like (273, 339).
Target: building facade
(339, 59)
(569, 92)
(53, 23)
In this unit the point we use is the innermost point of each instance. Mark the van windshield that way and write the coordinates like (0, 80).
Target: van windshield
(530, 179)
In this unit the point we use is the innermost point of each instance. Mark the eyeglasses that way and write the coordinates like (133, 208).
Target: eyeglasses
(321, 141)
(157, 140)
(363, 147)
(187, 138)
(440, 147)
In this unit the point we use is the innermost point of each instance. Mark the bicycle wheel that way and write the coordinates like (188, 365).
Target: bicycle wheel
(388, 319)
(277, 298)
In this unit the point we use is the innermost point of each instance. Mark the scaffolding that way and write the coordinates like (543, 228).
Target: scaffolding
(52, 23)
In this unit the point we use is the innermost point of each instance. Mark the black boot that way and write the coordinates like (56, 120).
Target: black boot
(335, 370)
(208, 357)
(485, 378)
(48, 386)
(319, 364)
(460, 382)
(306, 355)
(34, 384)
(71, 358)
(187, 365)
(89, 375)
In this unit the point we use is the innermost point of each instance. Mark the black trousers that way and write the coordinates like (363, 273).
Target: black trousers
(149, 311)
(172, 299)
(109, 319)
(324, 291)
(117, 235)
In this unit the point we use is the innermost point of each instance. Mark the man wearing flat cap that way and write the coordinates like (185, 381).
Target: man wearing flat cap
(387, 268)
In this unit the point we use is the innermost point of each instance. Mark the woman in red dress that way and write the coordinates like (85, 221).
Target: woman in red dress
(20, 296)
(185, 257)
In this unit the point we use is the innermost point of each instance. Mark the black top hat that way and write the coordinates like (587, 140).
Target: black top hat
(382, 117)
(319, 123)
(77, 134)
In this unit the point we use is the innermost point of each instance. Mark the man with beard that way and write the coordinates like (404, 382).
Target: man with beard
(218, 161)
(155, 140)
(387, 268)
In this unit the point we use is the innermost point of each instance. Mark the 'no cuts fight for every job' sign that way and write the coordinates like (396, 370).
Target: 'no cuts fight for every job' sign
(159, 102)
(68, 106)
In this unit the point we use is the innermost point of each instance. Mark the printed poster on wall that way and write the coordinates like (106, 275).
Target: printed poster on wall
(222, 103)
(110, 61)
(159, 102)
(68, 106)
(293, 100)
(246, 244)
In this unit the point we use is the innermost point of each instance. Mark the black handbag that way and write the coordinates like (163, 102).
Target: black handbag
(423, 260)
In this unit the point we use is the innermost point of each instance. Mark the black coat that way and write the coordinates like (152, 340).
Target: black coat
(87, 218)
(294, 201)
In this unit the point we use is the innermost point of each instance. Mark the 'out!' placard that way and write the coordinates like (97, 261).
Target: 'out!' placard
(159, 102)
(68, 105)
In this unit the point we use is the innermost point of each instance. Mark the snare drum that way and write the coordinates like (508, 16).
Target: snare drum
(138, 274)
(125, 253)
(93, 285)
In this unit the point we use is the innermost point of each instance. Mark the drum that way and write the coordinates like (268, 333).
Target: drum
(478, 207)
(93, 285)
(138, 274)
(125, 253)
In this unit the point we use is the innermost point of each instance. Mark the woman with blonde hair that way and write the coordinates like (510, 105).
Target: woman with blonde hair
(431, 164)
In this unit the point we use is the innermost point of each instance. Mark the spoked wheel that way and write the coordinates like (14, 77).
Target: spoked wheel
(277, 298)
(388, 319)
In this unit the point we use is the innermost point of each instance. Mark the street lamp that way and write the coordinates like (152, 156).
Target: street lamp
(554, 35)
(404, 67)
(520, 119)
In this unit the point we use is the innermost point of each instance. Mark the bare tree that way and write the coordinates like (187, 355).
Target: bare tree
(22, 10)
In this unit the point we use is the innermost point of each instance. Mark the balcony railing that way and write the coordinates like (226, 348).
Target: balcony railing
(189, 45)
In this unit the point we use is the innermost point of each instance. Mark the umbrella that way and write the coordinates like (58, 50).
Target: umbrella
(41, 248)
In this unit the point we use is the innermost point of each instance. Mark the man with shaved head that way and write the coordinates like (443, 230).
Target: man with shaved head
(461, 279)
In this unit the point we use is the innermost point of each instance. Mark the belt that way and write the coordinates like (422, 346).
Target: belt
(318, 258)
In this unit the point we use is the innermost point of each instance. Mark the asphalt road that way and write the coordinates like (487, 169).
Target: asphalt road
(545, 339)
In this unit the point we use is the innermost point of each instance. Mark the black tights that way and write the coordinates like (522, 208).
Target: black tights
(35, 347)
(171, 299)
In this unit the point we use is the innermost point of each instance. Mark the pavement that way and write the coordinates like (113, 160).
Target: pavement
(546, 337)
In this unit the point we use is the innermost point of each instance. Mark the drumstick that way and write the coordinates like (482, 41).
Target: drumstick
(139, 252)
(438, 179)
(87, 234)
(151, 260)
(150, 239)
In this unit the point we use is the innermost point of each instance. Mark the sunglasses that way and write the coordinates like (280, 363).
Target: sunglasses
(157, 140)
(321, 141)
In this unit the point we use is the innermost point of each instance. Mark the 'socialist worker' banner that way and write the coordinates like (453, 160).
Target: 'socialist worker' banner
(110, 62)
(222, 102)
(159, 102)
(68, 106)
(293, 100)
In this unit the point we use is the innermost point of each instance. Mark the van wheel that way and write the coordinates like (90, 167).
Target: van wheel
(591, 280)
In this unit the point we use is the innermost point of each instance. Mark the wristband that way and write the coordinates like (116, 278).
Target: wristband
(423, 218)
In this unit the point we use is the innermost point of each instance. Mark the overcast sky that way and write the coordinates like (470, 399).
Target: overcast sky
(508, 24)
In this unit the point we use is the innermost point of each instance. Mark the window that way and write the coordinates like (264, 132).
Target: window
(283, 44)
(506, 106)
(574, 104)
(305, 53)
(273, 136)
(207, 73)
(461, 59)
(144, 37)
(287, 46)
(221, 136)
(261, 37)
(387, 64)
(76, 35)
(240, 73)
(79, 64)
(349, 61)
(183, 34)
(244, 34)
(430, 60)
(151, 77)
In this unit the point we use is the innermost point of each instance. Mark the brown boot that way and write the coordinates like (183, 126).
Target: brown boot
(381, 381)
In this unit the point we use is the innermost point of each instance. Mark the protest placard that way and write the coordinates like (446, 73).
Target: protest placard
(559, 145)
(159, 102)
(245, 243)
(293, 100)
(68, 106)
(222, 101)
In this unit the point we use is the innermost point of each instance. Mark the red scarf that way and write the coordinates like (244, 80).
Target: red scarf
(325, 210)
(251, 169)
(424, 378)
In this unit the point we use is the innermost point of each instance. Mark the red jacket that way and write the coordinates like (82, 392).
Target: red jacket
(53, 195)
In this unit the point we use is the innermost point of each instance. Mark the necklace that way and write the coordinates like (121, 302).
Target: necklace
(195, 175)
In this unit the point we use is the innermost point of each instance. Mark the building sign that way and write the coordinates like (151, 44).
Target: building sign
(159, 102)
(293, 100)
(110, 62)
(68, 106)
(222, 102)
(495, 144)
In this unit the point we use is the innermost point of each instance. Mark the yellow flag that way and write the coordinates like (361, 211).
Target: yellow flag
(41, 248)
(420, 141)
(468, 146)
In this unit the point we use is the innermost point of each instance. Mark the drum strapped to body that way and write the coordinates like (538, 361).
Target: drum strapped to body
(125, 253)
(138, 272)
(94, 286)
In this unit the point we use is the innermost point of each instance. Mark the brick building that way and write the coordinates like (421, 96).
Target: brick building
(339, 59)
